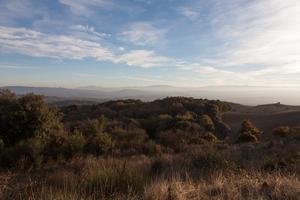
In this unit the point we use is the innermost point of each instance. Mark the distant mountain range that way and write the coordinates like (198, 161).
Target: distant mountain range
(240, 94)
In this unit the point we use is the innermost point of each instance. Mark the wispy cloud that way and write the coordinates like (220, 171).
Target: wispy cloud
(14, 66)
(145, 59)
(143, 34)
(88, 29)
(33, 43)
(188, 12)
(266, 34)
(80, 7)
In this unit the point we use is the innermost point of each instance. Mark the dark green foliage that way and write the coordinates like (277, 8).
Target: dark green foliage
(55, 146)
(75, 144)
(26, 117)
(91, 128)
(25, 154)
(32, 131)
(30, 152)
(101, 143)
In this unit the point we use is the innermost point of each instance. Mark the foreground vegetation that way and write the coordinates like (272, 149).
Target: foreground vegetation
(174, 148)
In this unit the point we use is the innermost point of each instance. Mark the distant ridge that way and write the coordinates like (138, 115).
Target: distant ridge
(247, 95)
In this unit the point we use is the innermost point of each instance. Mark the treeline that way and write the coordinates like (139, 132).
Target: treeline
(32, 132)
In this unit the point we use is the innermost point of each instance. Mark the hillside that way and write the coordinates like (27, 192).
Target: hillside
(130, 149)
(265, 117)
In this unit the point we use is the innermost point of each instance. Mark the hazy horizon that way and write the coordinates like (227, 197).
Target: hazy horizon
(242, 95)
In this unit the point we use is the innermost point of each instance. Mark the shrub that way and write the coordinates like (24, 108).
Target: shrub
(151, 148)
(247, 126)
(205, 162)
(130, 140)
(248, 133)
(207, 122)
(102, 143)
(187, 116)
(282, 131)
(174, 139)
(210, 137)
(55, 146)
(247, 137)
(27, 117)
(160, 165)
(75, 144)
(31, 151)
(91, 128)
(8, 157)
(1, 145)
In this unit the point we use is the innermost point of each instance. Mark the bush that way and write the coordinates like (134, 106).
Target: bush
(130, 140)
(56, 144)
(27, 117)
(30, 152)
(282, 131)
(1, 145)
(247, 137)
(205, 162)
(249, 133)
(75, 144)
(27, 153)
(207, 123)
(161, 165)
(248, 127)
(91, 128)
(151, 148)
(102, 143)
(8, 157)
(210, 137)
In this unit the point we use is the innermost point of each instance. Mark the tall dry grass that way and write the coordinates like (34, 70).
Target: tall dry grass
(141, 177)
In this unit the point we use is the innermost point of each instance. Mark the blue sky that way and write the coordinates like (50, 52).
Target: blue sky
(113, 43)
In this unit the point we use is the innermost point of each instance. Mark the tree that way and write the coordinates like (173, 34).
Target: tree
(26, 117)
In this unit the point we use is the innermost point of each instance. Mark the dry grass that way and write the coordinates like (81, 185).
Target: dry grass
(133, 178)
(236, 187)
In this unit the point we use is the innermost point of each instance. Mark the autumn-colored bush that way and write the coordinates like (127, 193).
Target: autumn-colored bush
(248, 133)
(207, 122)
(282, 131)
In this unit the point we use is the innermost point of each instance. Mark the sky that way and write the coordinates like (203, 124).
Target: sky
(117, 43)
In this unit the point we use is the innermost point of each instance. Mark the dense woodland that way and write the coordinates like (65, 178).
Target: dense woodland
(120, 149)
